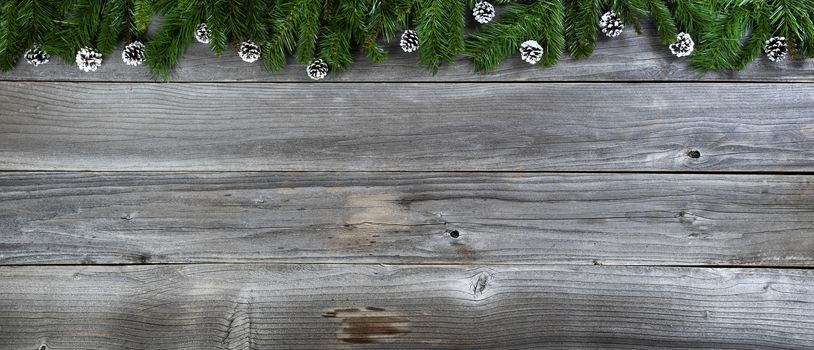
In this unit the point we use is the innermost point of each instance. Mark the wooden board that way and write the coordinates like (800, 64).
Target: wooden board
(114, 218)
(416, 127)
(406, 307)
(628, 57)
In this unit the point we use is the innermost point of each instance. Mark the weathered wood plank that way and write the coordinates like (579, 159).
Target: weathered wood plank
(420, 127)
(405, 307)
(629, 57)
(103, 218)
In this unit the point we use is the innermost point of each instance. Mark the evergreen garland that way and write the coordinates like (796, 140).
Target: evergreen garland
(727, 34)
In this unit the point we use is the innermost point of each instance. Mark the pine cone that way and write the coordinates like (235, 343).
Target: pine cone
(531, 51)
(317, 69)
(249, 51)
(611, 24)
(776, 48)
(202, 34)
(36, 56)
(88, 59)
(483, 12)
(409, 41)
(133, 54)
(683, 45)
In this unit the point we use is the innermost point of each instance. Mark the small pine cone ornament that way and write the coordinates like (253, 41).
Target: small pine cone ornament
(88, 59)
(611, 24)
(483, 12)
(683, 45)
(317, 69)
(531, 51)
(776, 49)
(249, 51)
(202, 34)
(133, 54)
(409, 41)
(36, 56)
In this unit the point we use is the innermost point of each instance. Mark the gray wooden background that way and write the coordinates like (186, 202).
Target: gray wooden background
(619, 202)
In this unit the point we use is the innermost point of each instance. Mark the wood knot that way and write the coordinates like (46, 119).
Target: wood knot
(238, 327)
(694, 154)
(143, 258)
(685, 217)
(479, 283)
(453, 233)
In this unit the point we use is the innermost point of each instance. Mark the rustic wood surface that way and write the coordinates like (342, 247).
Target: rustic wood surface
(217, 213)
(629, 57)
(451, 218)
(404, 307)
(397, 127)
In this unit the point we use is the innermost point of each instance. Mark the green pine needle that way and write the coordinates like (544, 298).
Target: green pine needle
(729, 34)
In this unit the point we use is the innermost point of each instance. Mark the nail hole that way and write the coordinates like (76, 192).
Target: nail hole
(694, 154)
(454, 233)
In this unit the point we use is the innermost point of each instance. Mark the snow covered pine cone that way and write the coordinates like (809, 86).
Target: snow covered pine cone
(531, 51)
(317, 69)
(133, 53)
(409, 41)
(249, 51)
(776, 48)
(88, 59)
(36, 56)
(611, 24)
(202, 34)
(483, 12)
(683, 45)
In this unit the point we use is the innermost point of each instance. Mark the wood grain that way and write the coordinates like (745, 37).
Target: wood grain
(628, 57)
(417, 127)
(451, 218)
(405, 307)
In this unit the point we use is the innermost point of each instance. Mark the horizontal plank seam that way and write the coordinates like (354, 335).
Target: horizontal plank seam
(542, 172)
(598, 265)
(553, 82)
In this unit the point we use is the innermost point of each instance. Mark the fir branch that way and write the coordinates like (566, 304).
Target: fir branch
(656, 10)
(762, 30)
(720, 44)
(471, 3)
(216, 23)
(553, 33)
(386, 18)
(115, 15)
(80, 28)
(308, 25)
(177, 32)
(347, 25)
(693, 15)
(370, 45)
(521, 22)
(582, 24)
(281, 16)
(37, 18)
(792, 20)
(142, 15)
(663, 18)
(255, 23)
(439, 25)
(9, 46)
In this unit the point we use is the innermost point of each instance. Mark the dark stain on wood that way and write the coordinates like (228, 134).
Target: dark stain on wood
(369, 325)
(465, 253)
